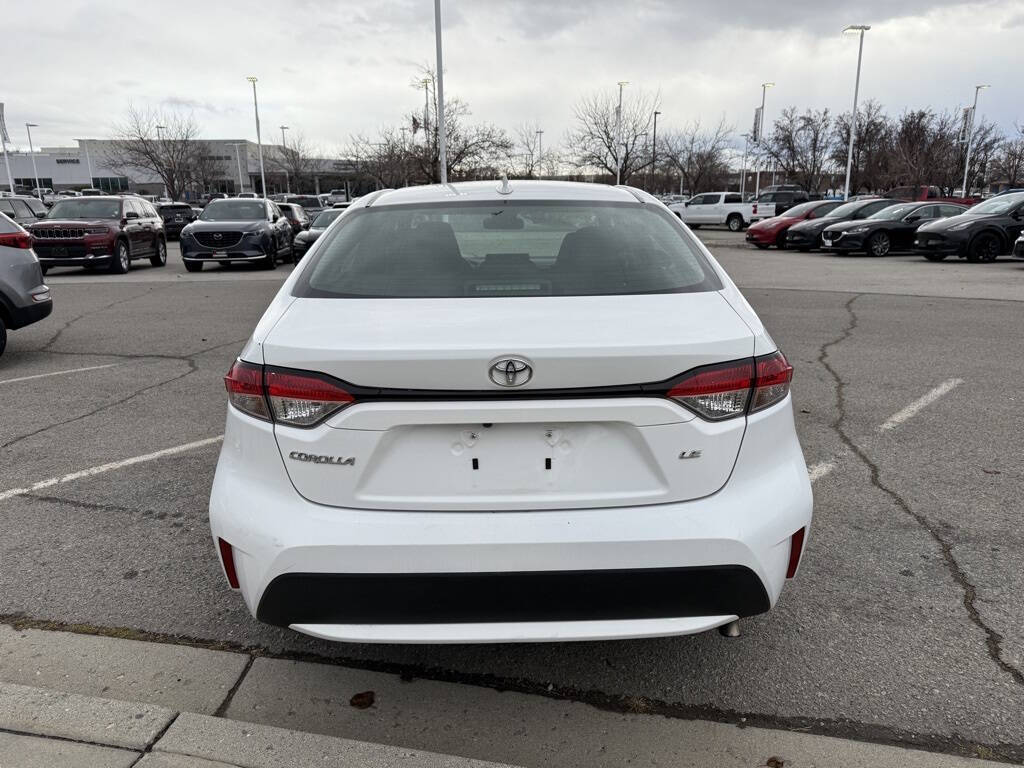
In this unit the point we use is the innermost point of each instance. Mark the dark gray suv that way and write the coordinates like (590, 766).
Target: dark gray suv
(24, 297)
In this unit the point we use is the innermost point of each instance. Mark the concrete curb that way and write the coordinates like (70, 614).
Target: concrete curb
(72, 700)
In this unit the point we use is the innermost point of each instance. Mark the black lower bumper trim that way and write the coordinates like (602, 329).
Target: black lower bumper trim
(450, 598)
(31, 313)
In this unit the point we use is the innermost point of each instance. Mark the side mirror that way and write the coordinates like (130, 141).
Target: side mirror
(912, 218)
(40, 214)
(274, 217)
(131, 215)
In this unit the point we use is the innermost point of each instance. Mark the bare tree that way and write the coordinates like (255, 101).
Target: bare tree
(984, 153)
(1008, 165)
(170, 152)
(388, 160)
(871, 150)
(700, 155)
(593, 142)
(526, 153)
(299, 160)
(801, 145)
(205, 169)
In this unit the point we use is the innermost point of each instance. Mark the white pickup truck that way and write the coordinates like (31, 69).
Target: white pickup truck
(725, 208)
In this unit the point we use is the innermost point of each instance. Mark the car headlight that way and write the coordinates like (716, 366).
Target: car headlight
(960, 227)
(858, 230)
(253, 233)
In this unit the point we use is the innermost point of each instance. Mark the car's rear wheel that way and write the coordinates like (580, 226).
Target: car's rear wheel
(985, 247)
(159, 257)
(761, 246)
(879, 244)
(270, 260)
(122, 258)
(780, 240)
(734, 222)
(193, 266)
(3, 336)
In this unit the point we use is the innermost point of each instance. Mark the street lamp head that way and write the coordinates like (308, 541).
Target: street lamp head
(252, 79)
(622, 83)
(981, 87)
(853, 29)
(767, 85)
(31, 125)
(284, 127)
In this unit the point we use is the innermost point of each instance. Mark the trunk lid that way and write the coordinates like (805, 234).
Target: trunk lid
(456, 448)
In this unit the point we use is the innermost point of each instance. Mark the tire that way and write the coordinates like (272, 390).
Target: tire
(122, 260)
(193, 266)
(879, 244)
(734, 222)
(761, 246)
(984, 247)
(3, 336)
(935, 256)
(270, 260)
(159, 258)
(780, 240)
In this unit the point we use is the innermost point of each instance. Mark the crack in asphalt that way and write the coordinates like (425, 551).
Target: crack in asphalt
(188, 359)
(993, 639)
(608, 702)
(56, 336)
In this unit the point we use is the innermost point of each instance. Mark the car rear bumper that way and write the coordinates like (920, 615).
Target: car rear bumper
(392, 576)
(20, 316)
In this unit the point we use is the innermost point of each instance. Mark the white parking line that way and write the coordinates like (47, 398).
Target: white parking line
(58, 373)
(111, 466)
(820, 470)
(922, 402)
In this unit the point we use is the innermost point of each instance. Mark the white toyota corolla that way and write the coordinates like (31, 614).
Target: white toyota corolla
(502, 412)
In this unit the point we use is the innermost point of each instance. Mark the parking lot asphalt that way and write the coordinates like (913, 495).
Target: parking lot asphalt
(905, 624)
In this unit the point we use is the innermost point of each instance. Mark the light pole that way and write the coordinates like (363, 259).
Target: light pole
(259, 141)
(32, 152)
(238, 160)
(284, 156)
(618, 134)
(540, 152)
(442, 149)
(760, 136)
(970, 136)
(743, 170)
(3, 140)
(854, 29)
(654, 148)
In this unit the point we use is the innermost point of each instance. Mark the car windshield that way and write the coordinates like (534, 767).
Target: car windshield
(233, 210)
(483, 250)
(306, 202)
(845, 210)
(85, 209)
(800, 210)
(1001, 204)
(894, 212)
(325, 218)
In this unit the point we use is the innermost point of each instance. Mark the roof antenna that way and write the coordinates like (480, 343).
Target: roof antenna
(505, 188)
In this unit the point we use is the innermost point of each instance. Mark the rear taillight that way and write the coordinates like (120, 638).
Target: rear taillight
(731, 389)
(303, 399)
(297, 398)
(244, 384)
(772, 384)
(16, 239)
(716, 391)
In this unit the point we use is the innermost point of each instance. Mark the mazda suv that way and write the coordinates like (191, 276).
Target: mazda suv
(232, 230)
(524, 411)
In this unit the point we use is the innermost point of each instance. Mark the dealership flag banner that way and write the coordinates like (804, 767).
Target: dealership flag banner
(3, 125)
(5, 138)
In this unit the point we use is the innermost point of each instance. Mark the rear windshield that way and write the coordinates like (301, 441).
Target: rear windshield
(506, 249)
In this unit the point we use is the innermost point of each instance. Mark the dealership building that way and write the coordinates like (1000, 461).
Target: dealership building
(236, 162)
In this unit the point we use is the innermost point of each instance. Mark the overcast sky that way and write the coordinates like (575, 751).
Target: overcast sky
(332, 68)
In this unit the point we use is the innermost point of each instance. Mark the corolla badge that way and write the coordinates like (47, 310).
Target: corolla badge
(338, 461)
(510, 372)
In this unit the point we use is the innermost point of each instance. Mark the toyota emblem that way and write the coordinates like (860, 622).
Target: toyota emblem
(510, 372)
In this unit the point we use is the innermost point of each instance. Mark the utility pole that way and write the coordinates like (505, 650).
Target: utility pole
(238, 160)
(854, 28)
(284, 157)
(259, 141)
(441, 139)
(970, 137)
(31, 151)
(760, 136)
(618, 135)
(654, 149)
(540, 153)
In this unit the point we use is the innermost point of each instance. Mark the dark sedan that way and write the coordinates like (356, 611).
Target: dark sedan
(305, 239)
(237, 230)
(891, 229)
(981, 233)
(806, 235)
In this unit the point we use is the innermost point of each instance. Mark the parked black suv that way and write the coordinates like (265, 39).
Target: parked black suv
(981, 233)
(176, 216)
(22, 208)
(237, 230)
(806, 235)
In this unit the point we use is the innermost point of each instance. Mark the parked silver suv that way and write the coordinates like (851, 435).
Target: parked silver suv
(24, 297)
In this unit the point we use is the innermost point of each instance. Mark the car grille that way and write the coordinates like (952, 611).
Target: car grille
(58, 233)
(59, 252)
(218, 239)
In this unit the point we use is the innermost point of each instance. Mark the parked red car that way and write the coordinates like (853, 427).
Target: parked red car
(773, 231)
